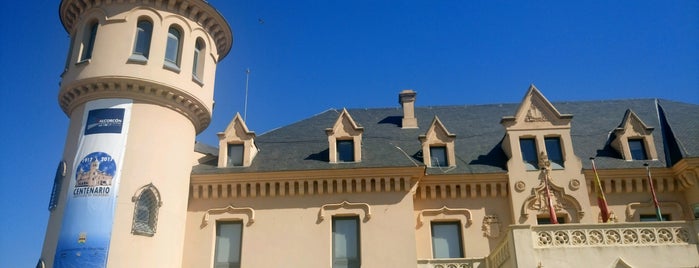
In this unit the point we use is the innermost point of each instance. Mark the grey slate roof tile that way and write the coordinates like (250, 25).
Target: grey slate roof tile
(303, 145)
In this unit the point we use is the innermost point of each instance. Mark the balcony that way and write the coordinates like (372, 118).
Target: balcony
(453, 263)
(633, 244)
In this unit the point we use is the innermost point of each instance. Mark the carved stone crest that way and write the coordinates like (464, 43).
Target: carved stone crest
(574, 184)
(520, 186)
(491, 226)
(535, 115)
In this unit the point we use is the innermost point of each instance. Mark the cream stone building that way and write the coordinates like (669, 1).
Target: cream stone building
(446, 186)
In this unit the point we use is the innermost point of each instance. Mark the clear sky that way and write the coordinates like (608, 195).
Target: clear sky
(309, 56)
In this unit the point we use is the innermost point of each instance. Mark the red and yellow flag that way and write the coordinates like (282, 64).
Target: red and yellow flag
(601, 200)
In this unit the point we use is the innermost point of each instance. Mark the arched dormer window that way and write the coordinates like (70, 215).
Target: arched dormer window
(141, 47)
(173, 49)
(198, 62)
(88, 43)
(145, 216)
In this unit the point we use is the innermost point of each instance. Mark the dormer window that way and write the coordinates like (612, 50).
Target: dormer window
(554, 152)
(633, 139)
(235, 155)
(438, 156)
(344, 140)
(438, 145)
(529, 154)
(236, 145)
(345, 151)
(637, 149)
(539, 130)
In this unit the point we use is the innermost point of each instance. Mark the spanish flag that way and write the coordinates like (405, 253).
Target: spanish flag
(601, 200)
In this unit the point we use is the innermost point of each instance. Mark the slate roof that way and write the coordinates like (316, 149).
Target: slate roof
(304, 145)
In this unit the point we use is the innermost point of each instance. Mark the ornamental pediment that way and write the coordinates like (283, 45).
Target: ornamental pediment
(536, 112)
(237, 130)
(345, 126)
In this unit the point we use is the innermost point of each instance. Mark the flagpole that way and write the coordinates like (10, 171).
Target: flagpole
(552, 211)
(545, 165)
(601, 200)
(658, 215)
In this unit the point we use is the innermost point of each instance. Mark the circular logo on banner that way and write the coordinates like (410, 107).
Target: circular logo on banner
(94, 174)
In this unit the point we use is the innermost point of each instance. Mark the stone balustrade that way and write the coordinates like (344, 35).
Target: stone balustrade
(620, 234)
(452, 263)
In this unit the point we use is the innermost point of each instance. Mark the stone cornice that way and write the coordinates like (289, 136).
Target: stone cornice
(278, 176)
(303, 183)
(198, 11)
(635, 180)
(462, 186)
(77, 93)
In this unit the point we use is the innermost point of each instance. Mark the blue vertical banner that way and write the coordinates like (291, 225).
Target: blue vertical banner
(94, 182)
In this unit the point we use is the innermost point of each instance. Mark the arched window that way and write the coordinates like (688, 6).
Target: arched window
(88, 43)
(145, 215)
(57, 182)
(172, 50)
(199, 57)
(141, 47)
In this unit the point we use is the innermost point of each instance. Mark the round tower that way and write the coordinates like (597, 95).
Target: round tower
(138, 86)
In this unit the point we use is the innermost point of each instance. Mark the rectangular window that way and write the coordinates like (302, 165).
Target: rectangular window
(547, 220)
(653, 217)
(438, 156)
(638, 149)
(529, 155)
(553, 150)
(228, 244)
(346, 250)
(446, 240)
(235, 155)
(345, 151)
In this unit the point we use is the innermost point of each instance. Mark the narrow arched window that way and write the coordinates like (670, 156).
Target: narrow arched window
(172, 49)
(141, 47)
(88, 43)
(145, 216)
(199, 57)
(57, 182)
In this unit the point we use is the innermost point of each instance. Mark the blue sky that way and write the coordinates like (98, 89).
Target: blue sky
(309, 56)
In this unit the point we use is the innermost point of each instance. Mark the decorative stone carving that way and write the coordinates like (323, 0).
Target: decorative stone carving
(447, 211)
(491, 226)
(231, 210)
(612, 217)
(602, 235)
(520, 186)
(535, 115)
(561, 202)
(574, 184)
(346, 205)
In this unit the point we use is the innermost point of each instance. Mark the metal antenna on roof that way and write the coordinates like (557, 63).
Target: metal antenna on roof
(247, 79)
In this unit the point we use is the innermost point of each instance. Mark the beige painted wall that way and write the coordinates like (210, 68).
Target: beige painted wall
(287, 231)
(158, 146)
